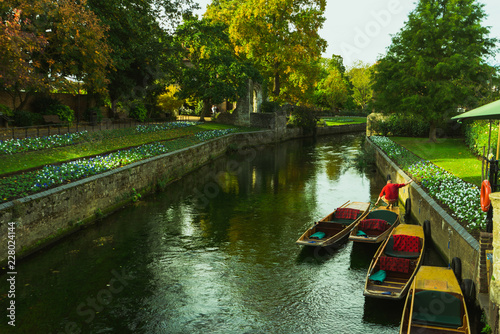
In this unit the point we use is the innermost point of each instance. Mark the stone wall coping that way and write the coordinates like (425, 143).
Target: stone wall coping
(446, 217)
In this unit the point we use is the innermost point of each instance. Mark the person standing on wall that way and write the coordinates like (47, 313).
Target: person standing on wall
(390, 193)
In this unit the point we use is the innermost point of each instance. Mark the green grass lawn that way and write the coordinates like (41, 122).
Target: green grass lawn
(451, 154)
(343, 120)
(23, 161)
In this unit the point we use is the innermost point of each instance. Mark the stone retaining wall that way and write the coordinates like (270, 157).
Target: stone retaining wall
(47, 216)
(445, 230)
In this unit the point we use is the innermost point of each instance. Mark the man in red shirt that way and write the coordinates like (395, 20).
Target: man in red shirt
(390, 193)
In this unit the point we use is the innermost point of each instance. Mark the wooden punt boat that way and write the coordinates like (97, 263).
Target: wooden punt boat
(334, 227)
(376, 226)
(435, 304)
(395, 263)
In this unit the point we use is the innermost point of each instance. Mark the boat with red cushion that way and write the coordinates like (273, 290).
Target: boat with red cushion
(376, 226)
(395, 263)
(336, 226)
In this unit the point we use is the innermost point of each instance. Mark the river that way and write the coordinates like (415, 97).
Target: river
(215, 252)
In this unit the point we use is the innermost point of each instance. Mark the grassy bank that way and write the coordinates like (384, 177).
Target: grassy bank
(451, 154)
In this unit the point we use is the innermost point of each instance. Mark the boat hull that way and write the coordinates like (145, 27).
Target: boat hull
(336, 230)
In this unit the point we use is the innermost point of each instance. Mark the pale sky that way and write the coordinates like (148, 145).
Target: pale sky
(362, 29)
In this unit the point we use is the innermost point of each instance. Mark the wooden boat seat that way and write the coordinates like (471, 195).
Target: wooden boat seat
(389, 250)
(447, 309)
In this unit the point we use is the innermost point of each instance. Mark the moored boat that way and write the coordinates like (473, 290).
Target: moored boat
(376, 226)
(334, 227)
(395, 263)
(435, 304)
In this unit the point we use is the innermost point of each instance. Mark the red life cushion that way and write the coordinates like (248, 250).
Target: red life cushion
(346, 213)
(394, 264)
(373, 224)
(406, 243)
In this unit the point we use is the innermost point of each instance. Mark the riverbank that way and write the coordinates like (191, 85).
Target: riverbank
(43, 218)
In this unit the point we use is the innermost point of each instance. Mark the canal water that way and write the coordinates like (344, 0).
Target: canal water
(215, 252)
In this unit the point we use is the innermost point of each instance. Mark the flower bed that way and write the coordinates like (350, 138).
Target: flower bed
(13, 146)
(206, 135)
(22, 185)
(461, 198)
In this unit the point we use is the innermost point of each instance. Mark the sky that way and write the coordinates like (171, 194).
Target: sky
(360, 30)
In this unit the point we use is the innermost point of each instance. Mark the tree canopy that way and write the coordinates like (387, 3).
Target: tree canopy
(280, 37)
(436, 63)
(211, 70)
(46, 42)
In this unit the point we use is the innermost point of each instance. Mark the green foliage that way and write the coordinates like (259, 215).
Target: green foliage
(332, 91)
(199, 108)
(280, 38)
(269, 106)
(6, 110)
(477, 135)
(23, 118)
(428, 70)
(215, 72)
(303, 117)
(401, 125)
(43, 103)
(65, 113)
(92, 112)
(138, 111)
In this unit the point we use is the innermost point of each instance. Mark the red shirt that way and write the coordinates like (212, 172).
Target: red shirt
(391, 191)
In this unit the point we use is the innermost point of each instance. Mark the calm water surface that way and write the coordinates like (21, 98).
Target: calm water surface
(215, 253)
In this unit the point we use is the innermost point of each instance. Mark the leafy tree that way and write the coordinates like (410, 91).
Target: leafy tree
(360, 77)
(17, 47)
(167, 101)
(211, 70)
(332, 90)
(436, 62)
(141, 43)
(279, 36)
(53, 40)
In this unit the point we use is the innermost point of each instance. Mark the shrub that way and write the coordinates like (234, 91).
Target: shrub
(402, 125)
(138, 112)
(23, 118)
(6, 110)
(269, 106)
(91, 112)
(303, 117)
(65, 113)
(477, 134)
(43, 104)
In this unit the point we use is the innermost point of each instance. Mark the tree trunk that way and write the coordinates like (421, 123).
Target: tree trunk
(276, 88)
(205, 110)
(432, 132)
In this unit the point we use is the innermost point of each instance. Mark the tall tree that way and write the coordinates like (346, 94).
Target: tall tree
(74, 44)
(279, 36)
(436, 62)
(332, 89)
(18, 71)
(360, 77)
(211, 71)
(139, 35)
